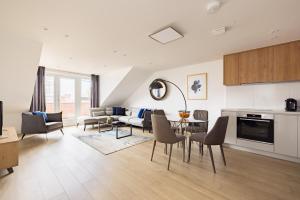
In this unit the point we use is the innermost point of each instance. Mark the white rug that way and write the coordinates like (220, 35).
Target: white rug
(106, 142)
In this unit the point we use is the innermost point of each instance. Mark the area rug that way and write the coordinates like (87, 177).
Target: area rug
(106, 142)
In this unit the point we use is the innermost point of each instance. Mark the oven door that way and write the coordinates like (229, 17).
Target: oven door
(255, 129)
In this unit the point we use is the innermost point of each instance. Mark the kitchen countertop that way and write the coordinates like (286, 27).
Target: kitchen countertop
(249, 110)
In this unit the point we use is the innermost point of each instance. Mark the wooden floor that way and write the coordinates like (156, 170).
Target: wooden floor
(65, 168)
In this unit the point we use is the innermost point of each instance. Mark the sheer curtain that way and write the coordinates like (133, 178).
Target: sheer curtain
(95, 97)
(38, 102)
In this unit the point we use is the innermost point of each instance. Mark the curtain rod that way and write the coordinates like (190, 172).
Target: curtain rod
(63, 71)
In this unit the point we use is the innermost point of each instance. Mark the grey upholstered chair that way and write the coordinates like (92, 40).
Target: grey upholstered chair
(163, 133)
(34, 124)
(147, 121)
(199, 127)
(216, 136)
(159, 112)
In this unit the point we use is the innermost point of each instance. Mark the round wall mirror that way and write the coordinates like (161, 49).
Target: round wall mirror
(158, 89)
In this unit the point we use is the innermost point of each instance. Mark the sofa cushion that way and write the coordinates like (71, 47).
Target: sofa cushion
(136, 121)
(98, 113)
(128, 113)
(51, 126)
(109, 111)
(125, 119)
(43, 114)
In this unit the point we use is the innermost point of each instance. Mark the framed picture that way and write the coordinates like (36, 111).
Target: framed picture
(197, 86)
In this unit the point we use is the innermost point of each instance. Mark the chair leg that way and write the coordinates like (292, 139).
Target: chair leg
(154, 144)
(223, 156)
(190, 149)
(200, 148)
(84, 127)
(62, 131)
(143, 129)
(211, 157)
(23, 136)
(171, 145)
(183, 150)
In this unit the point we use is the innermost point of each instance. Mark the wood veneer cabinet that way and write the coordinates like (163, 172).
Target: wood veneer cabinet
(231, 69)
(277, 63)
(287, 62)
(256, 66)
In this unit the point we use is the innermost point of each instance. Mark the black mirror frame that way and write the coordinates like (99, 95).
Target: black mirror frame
(164, 95)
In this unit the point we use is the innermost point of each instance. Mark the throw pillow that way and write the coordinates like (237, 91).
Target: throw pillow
(120, 111)
(128, 113)
(114, 110)
(99, 113)
(43, 114)
(141, 113)
(109, 111)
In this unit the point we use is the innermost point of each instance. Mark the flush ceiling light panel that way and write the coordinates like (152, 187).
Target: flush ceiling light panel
(166, 35)
(213, 5)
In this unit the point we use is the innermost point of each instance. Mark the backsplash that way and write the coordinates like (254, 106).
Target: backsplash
(262, 96)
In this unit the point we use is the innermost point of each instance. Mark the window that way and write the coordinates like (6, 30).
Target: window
(69, 93)
(85, 96)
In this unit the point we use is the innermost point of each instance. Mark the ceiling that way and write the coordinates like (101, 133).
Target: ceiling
(95, 36)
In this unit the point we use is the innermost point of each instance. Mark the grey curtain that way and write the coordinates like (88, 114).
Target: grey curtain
(38, 102)
(95, 97)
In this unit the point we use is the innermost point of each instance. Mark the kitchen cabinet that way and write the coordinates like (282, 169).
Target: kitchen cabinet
(256, 66)
(231, 69)
(287, 62)
(286, 135)
(231, 136)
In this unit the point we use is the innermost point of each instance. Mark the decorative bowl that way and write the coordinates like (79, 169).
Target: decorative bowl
(184, 114)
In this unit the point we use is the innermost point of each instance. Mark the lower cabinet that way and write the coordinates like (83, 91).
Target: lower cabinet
(286, 135)
(230, 137)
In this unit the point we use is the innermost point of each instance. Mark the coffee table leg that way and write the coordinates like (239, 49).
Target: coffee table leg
(117, 129)
(10, 170)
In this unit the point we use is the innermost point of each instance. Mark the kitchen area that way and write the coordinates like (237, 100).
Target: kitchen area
(263, 89)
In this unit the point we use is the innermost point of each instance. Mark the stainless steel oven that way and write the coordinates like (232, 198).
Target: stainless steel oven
(257, 127)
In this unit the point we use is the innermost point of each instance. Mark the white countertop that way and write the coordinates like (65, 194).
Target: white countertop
(261, 111)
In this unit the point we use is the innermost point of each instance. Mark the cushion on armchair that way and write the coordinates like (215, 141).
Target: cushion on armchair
(43, 114)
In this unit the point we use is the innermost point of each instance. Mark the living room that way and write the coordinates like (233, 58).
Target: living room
(95, 93)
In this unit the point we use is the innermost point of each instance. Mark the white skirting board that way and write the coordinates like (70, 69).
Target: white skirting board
(264, 153)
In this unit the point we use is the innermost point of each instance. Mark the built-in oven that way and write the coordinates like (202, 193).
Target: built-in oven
(257, 127)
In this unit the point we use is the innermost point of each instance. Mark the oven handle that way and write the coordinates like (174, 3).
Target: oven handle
(256, 120)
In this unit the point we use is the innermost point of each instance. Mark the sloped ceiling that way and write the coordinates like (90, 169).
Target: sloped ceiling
(124, 86)
(96, 36)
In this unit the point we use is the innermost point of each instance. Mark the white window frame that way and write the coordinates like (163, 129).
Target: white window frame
(77, 77)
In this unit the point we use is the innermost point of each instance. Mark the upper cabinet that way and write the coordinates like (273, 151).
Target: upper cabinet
(287, 62)
(265, 65)
(256, 66)
(231, 69)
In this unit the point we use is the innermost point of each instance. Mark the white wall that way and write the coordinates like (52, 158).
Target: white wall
(19, 59)
(109, 81)
(173, 101)
(262, 96)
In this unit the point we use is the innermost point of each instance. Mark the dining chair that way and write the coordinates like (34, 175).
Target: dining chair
(199, 127)
(216, 136)
(163, 133)
(159, 112)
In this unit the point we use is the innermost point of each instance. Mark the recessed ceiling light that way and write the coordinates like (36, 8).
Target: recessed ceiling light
(213, 5)
(67, 35)
(70, 58)
(124, 55)
(115, 51)
(219, 31)
(45, 29)
(166, 35)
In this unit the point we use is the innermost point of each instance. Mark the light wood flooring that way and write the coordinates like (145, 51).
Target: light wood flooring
(65, 168)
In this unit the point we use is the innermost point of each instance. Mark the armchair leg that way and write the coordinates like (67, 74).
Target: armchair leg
(62, 131)
(154, 144)
(223, 156)
(183, 149)
(84, 127)
(23, 136)
(166, 149)
(171, 145)
(212, 158)
(190, 149)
